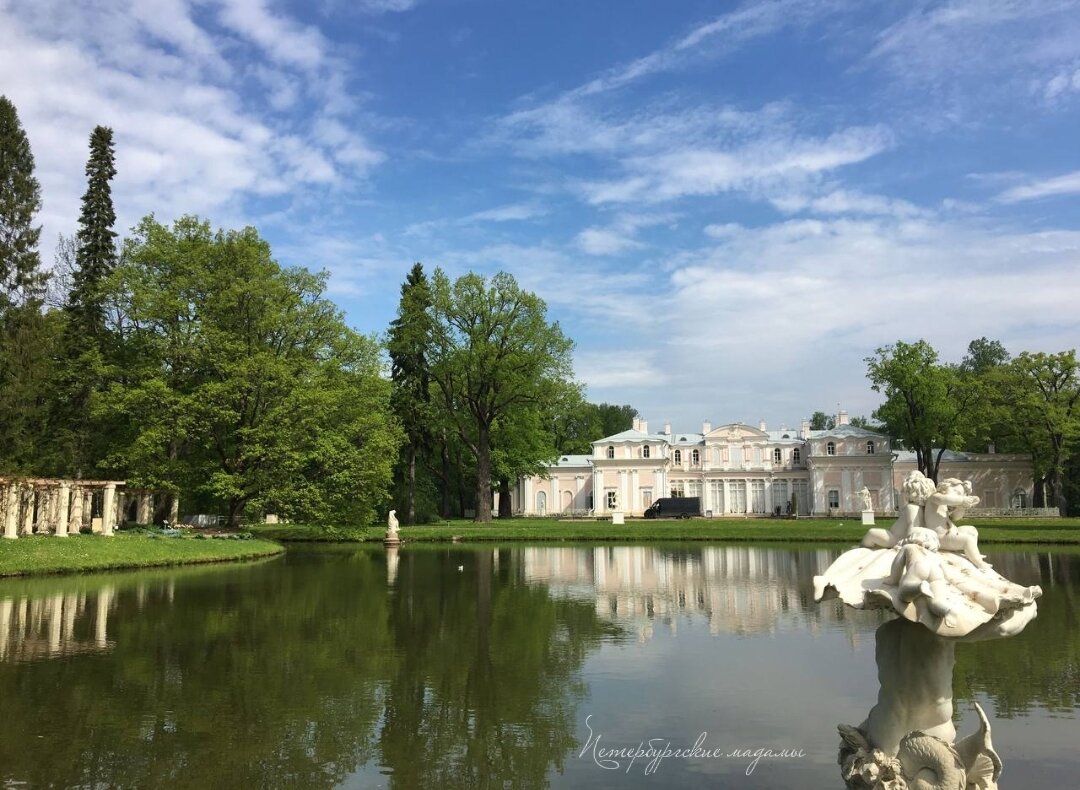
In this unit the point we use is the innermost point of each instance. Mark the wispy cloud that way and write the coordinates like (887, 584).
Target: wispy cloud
(619, 236)
(760, 166)
(1068, 184)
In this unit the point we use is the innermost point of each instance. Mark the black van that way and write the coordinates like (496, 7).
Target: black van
(675, 507)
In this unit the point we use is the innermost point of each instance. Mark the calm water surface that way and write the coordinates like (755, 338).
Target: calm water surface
(481, 667)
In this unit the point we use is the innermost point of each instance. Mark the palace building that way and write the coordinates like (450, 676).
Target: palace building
(738, 469)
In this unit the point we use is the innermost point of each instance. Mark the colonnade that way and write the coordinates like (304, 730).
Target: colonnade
(60, 507)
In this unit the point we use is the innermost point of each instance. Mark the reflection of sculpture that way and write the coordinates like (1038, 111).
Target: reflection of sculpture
(907, 739)
(867, 502)
(929, 570)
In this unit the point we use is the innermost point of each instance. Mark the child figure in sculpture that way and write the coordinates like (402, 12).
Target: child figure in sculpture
(917, 571)
(951, 501)
(915, 492)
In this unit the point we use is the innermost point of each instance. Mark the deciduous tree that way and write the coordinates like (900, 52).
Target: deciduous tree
(493, 352)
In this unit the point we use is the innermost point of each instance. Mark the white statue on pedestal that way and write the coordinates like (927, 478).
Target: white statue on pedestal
(867, 501)
(928, 570)
(392, 528)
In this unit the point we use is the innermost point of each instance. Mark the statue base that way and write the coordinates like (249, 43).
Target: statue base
(868, 518)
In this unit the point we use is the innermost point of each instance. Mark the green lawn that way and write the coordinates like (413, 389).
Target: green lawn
(537, 529)
(32, 554)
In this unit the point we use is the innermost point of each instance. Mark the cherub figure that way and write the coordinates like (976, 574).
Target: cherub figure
(917, 571)
(952, 499)
(915, 491)
(392, 523)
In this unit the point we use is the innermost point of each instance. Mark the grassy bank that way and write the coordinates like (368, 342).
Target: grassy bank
(33, 554)
(1065, 531)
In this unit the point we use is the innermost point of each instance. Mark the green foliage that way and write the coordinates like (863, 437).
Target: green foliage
(409, 342)
(928, 406)
(21, 278)
(26, 336)
(493, 355)
(1038, 399)
(820, 421)
(242, 382)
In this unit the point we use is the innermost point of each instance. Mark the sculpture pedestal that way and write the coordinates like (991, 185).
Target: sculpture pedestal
(868, 518)
(618, 517)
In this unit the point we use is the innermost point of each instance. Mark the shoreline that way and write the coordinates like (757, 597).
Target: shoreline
(40, 555)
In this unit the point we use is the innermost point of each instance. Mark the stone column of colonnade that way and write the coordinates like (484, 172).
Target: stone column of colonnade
(63, 508)
(108, 510)
(11, 511)
(26, 501)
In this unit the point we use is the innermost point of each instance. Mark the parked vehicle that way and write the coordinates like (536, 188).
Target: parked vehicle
(675, 507)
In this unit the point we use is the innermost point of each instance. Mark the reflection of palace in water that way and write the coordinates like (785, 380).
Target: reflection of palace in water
(740, 589)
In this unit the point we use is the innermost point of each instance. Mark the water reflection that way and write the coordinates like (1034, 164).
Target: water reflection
(464, 667)
(738, 589)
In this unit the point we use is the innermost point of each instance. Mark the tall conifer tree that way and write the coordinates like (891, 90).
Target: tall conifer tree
(82, 372)
(23, 330)
(409, 344)
(20, 200)
(95, 250)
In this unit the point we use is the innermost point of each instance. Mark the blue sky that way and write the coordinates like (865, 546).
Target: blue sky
(728, 206)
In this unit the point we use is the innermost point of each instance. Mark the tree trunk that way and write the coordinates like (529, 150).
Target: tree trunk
(506, 509)
(236, 510)
(1038, 492)
(410, 487)
(483, 474)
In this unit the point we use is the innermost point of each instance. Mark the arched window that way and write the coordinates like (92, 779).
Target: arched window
(830, 448)
(870, 448)
(678, 456)
(610, 452)
(695, 458)
(645, 451)
(777, 456)
(796, 455)
(1019, 499)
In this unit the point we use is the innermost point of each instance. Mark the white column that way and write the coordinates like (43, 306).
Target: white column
(56, 622)
(6, 607)
(634, 504)
(598, 496)
(556, 500)
(108, 509)
(63, 497)
(11, 512)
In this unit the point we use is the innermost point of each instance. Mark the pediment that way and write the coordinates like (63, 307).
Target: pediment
(735, 432)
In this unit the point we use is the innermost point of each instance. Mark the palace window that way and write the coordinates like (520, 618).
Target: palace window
(830, 448)
(796, 456)
(612, 498)
(695, 458)
(610, 452)
(834, 499)
(678, 456)
(693, 488)
(678, 488)
(645, 451)
(777, 456)
(869, 448)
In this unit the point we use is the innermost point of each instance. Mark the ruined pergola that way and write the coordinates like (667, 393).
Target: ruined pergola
(58, 507)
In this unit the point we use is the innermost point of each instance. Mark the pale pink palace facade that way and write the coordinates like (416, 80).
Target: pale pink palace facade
(741, 470)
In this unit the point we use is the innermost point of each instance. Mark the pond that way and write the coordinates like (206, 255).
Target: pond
(519, 666)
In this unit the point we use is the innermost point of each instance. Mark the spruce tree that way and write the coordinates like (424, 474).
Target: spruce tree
(21, 277)
(24, 331)
(95, 250)
(409, 342)
(82, 372)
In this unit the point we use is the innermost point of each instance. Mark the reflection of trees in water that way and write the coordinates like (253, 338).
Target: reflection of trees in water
(1041, 666)
(269, 676)
(487, 688)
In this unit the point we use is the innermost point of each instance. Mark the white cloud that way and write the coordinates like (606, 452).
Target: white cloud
(763, 165)
(188, 140)
(1068, 184)
(1063, 82)
(619, 236)
(283, 39)
(846, 201)
(509, 213)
